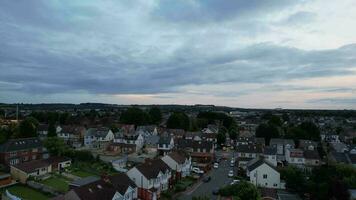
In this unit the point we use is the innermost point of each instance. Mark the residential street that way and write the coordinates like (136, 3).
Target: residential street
(218, 179)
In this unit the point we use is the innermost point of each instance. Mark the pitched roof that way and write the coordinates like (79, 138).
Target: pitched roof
(34, 165)
(249, 148)
(164, 139)
(269, 150)
(310, 154)
(20, 144)
(255, 163)
(281, 141)
(151, 168)
(179, 158)
(97, 132)
(121, 182)
(96, 190)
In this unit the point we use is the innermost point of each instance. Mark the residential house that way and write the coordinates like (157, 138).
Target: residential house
(295, 157)
(151, 143)
(270, 154)
(308, 145)
(281, 145)
(165, 144)
(38, 168)
(119, 148)
(42, 130)
(118, 187)
(263, 174)
(201, 152)
(179, 162)
(211, 128)
(151, 178)
(98, 137)
(247, 152)
(196, 136)
(135, 139)
(312, 158)
(71, 134)
(339, 147)
(16, 151)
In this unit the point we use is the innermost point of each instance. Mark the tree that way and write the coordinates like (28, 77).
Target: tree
(28, 128)
(311, 130)
(56, 146)
(178, 120)
(135, 116)
(221, 138)
(155, 115)
(294, 177)
(267, 131)
(243, 190)
(275, 120)
(51, 129)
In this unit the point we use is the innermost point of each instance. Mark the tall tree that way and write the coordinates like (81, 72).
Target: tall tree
(27, 128)
(267, 131)
(135, 116)
(51, 129)
(178, 120)
(155, 115)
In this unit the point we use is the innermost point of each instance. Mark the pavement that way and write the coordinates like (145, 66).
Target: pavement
(219, 178)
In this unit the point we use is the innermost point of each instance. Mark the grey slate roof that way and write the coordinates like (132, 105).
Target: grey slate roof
(97, 132)
(250, 148)
(20, 144)
(309, 154)
(151, 168)
(164, 140)
(281, 141)
(253, 164)
(269, 150)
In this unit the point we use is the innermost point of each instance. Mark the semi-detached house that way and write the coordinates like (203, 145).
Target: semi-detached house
(151, 178)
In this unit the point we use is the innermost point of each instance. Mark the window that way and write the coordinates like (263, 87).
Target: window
(265, 176)
(275, 185)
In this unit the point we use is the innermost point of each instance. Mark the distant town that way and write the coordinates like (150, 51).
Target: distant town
(124, 152)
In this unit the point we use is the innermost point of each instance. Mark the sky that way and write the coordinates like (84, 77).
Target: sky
(241, 53)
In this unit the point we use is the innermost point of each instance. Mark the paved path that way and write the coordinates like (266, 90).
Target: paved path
(219, 178)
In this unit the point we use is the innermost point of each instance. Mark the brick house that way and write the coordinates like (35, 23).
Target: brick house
(16, 151)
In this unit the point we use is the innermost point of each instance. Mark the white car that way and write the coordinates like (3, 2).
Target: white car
(197, 170)
(231, 173)
(235, 181)
(216, 165)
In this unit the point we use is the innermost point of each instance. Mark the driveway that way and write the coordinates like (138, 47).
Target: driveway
(218, 179)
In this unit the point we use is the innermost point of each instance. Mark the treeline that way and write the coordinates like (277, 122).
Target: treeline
(140, 117)
(276, 127)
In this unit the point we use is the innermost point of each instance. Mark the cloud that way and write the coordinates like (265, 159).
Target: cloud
(166, 48)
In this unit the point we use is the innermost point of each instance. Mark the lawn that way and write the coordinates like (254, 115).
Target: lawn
(58, 183)
(27, 193)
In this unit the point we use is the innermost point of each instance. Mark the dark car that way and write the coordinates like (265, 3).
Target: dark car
(206, 179)
(215, 191)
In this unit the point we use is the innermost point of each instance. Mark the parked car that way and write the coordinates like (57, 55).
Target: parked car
(232, 163)
(215, 191)
(216, 165)
(197, 170)
(235, 181)
(206, 179)
(231, 173)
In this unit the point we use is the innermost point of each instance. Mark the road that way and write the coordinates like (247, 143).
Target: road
(218, 179)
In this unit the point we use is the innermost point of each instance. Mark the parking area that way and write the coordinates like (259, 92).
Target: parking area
(219, 178)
